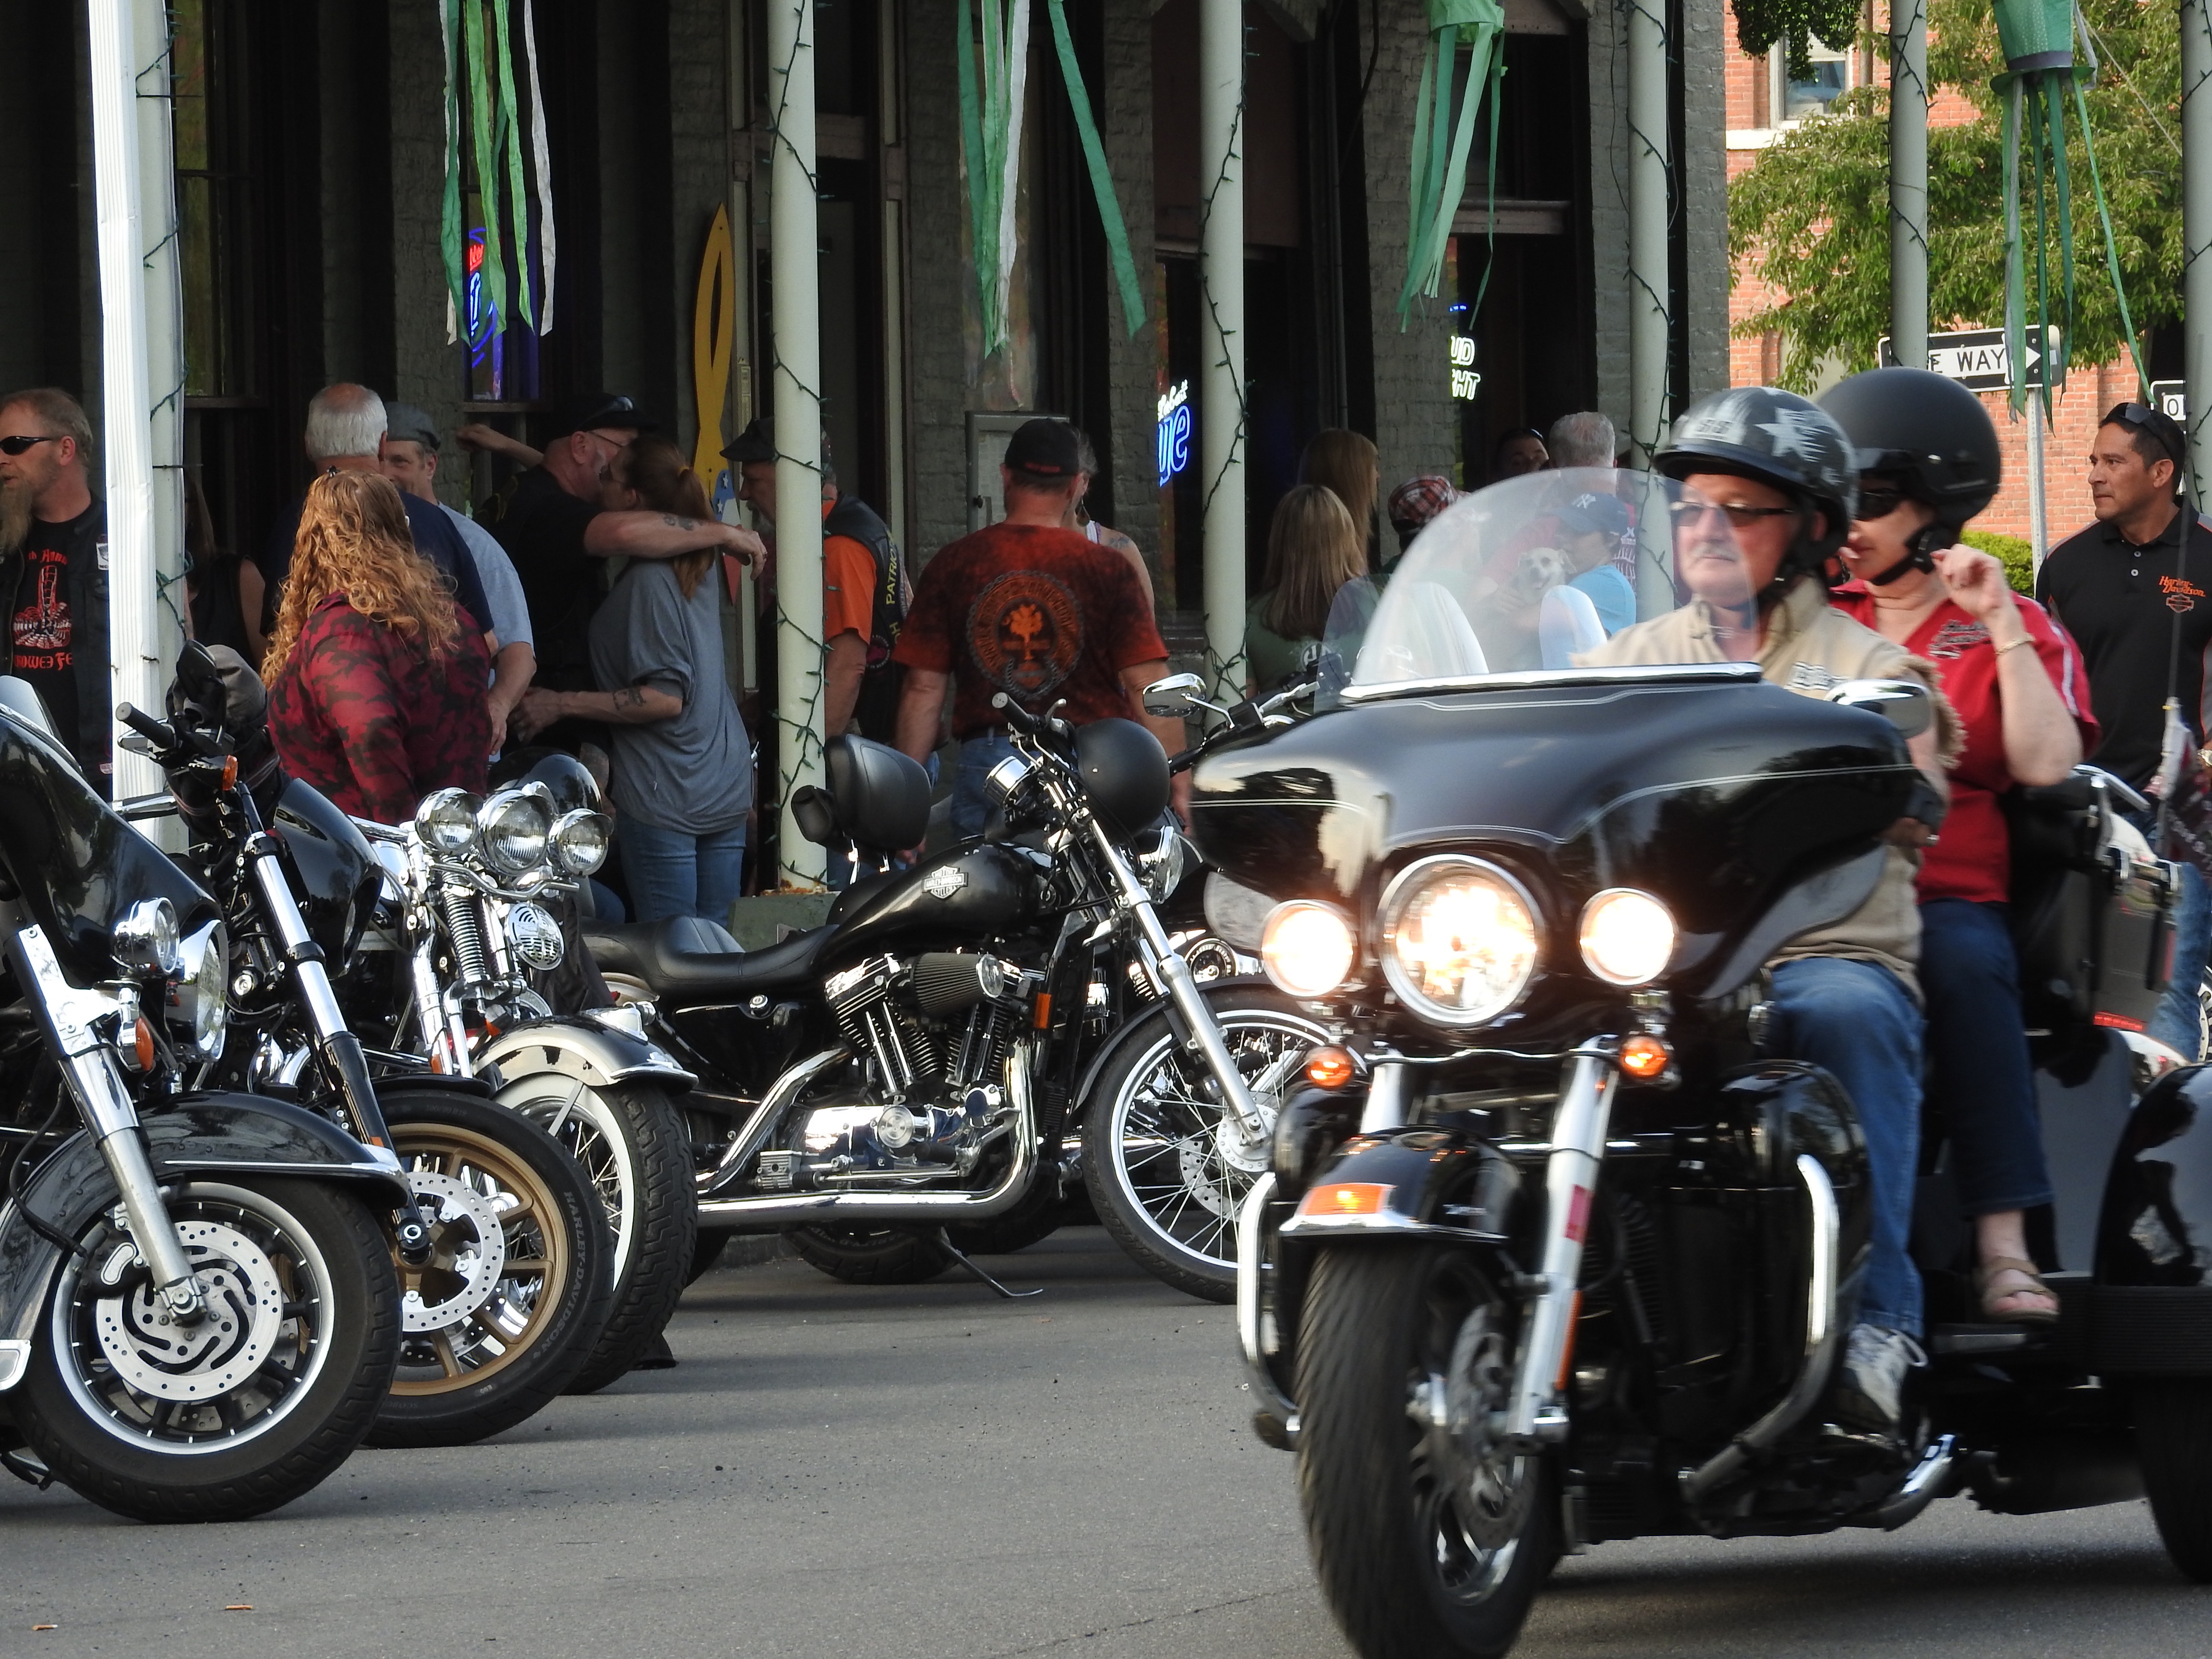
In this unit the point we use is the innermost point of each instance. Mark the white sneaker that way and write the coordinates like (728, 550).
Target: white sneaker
(1871, 1381)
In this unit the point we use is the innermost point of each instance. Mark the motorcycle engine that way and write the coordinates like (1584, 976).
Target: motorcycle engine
(933, 1031)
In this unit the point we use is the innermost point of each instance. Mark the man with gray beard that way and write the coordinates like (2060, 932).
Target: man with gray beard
(53, 570)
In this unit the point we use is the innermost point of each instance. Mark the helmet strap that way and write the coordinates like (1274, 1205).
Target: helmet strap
(1919, 553)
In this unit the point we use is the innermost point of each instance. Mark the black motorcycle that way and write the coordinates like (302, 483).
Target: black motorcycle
(880, 1085)
(1553, 1251)
(503, 1248)
(199, 1319)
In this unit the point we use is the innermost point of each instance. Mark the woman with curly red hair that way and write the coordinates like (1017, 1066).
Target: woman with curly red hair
(375, 674)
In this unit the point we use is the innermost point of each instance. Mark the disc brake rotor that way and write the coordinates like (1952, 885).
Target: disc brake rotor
(155, 1355)
(468, 1254)
(1491, 1484)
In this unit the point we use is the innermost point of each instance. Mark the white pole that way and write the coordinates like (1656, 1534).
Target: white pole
(126, 440)
(2197, 229)
(1908, 182)
(1648, 323)
(1221, 331)
(2038, 527)
(798, 347)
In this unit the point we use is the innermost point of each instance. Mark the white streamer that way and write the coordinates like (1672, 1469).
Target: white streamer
(1017, 68)
(541, 162)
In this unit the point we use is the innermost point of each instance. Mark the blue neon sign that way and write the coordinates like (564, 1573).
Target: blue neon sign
(1172, 439)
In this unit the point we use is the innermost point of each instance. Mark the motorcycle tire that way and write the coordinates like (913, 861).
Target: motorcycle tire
(331, 1334)
(1166, 1168)
(1429, 1542)
(630, 1142)
(2174, 1440)
(484, 1346)
(872, 1255)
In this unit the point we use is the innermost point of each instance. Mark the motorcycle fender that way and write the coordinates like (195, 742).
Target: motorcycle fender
(1128, 1030)
(207, 1136)
(584, 1050)
(1420, 1182)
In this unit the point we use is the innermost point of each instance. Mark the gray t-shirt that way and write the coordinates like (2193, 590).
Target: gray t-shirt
(510, 615)
(693, 774)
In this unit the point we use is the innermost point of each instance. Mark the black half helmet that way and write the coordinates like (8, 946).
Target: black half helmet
(1930, 434)
(1778, 438)
(1125, 774)
(566, 781)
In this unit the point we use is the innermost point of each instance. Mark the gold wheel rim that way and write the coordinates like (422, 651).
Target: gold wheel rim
(538, 1253)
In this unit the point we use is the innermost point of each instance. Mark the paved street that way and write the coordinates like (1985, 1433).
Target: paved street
(908, 1473)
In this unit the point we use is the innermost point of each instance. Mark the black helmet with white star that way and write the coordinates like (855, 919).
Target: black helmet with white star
(1778, 438)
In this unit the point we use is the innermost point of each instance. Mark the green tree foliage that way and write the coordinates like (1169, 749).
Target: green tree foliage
(1761, 23)
(1811, 217)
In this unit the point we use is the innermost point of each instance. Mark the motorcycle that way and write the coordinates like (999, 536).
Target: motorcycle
(502, 1247)
(197, 1317)
(1551, 1250)
(877, 1085)
(473, 913)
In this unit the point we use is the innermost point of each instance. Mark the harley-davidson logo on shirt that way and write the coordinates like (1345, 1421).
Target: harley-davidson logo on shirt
(1953, 638)
(2181, 596)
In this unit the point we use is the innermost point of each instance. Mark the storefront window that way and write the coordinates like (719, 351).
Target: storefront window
(503, 355)
(1830, 80)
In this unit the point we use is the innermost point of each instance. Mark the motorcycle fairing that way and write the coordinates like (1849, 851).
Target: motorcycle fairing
(334, 874)
(205, 1136)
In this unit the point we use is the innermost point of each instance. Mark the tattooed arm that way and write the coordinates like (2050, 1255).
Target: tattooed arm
(632, 705)
(647, 535)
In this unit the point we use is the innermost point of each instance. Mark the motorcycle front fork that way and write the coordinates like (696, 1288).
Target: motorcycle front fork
(1536, 1413)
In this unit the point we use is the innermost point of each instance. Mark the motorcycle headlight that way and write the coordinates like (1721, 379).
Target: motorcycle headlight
(580, 840)
(1002, 780)
(199, 997)
(446, 821)
(1459, 940)
(535, 937)
(1164, 864)
(1628, 937)
(145, 940)
(513, 828)
(1307, 948)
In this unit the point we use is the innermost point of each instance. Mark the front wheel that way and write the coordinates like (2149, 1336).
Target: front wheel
(630, 1141)
(1167, 1166)
(502, 1316)
(2173, 1438)
(253, 1406)
(1430, 1536)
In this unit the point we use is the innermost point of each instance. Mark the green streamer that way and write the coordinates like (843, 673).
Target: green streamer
(2111, 245)
(451, 236)
(495, 262)
(2015, 275)
(510, 122)
(1442, 143)
(1102, 181)
(982, 193)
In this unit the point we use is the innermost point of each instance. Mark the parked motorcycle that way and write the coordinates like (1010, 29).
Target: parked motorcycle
(503, 1248)
(199, 1319)
(472, 921)
(873, 1084)
(1552, 1251)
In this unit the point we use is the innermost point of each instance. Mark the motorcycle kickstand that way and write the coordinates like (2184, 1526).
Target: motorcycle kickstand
(959, 1255)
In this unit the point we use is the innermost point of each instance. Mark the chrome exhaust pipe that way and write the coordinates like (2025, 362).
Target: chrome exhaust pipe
(1821, 1339)
(762, 1123)
(774, 1210)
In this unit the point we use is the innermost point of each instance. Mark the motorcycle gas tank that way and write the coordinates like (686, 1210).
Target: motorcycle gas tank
(968, 892)
(1715, 793)
(78, 866)
(333, 872)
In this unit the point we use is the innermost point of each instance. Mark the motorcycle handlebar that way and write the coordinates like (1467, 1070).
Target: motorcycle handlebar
(1036, 726)
(158, 732)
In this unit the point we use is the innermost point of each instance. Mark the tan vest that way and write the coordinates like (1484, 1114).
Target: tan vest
(1809, 649)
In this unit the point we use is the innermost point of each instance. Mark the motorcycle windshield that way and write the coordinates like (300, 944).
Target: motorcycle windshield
(1551, 576)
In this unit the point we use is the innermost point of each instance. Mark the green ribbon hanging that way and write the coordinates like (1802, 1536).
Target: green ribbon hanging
(982, 135)
(481, 112)
(510, 128)
(451, 237)
(1102, 181)
(1441, 144)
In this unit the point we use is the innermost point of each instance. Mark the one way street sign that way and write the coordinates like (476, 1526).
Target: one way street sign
(1975, 357)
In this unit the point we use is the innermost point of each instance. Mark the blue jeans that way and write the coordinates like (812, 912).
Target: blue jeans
(674, 874)
(971, 807)
(1855, 1021)
(1978, 1055)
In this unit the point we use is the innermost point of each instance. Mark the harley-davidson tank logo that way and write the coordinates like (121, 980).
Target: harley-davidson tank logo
(945, 881)
(1025, 632)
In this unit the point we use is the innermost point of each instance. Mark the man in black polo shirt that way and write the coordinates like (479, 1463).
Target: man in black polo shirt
(2123, 588)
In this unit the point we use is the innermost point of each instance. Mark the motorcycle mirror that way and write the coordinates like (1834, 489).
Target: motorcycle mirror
(1905, 704)
(1173, 696)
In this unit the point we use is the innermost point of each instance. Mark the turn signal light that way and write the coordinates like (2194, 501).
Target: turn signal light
(230, 771)
(1330, 1068)
(1345, 1198)
(143, 1044)
(1644, 1056)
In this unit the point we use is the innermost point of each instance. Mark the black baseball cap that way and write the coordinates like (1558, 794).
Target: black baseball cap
(410, 425)
(610, 410)
(1045, 449)
(756, 443)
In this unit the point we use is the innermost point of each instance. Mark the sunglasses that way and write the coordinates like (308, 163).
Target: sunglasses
(1878, 501)
(22, 444)
(1688, 515)
(2143, 418)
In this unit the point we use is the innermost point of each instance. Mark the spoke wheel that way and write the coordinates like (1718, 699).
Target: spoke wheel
(1430, 1535)
(1167, 1166)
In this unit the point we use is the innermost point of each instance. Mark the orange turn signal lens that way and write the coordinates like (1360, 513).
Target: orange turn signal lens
(1345, 1198)
(229, 771)
(144, 1045)
(1330, 1067)
(1644, 1056)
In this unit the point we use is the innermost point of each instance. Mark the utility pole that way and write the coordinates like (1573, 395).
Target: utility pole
(1221, 333)
(1908, 182)
(1650, 324)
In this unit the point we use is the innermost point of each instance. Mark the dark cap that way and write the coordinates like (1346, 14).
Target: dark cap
(410, 425)
(610, 410)
(1045, 449)
(1604, 514)
(756, 443)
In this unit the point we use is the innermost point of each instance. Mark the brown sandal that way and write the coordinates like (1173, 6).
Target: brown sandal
(1984, 1277)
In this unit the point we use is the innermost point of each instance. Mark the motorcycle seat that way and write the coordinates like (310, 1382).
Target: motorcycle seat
(686, 959)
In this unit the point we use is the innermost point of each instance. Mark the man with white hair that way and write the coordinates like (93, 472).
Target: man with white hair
(1583, 438)
(345, 433)
(53, 570)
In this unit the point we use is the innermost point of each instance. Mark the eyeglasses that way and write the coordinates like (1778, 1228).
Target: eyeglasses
(1690, 515)
(2143, 418)
(1878, 501)
(22, 443)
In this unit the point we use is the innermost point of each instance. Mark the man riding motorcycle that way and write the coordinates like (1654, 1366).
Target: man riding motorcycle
(1781, 473)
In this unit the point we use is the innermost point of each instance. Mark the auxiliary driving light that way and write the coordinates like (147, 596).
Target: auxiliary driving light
(1628, 937)
(1307, 948)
